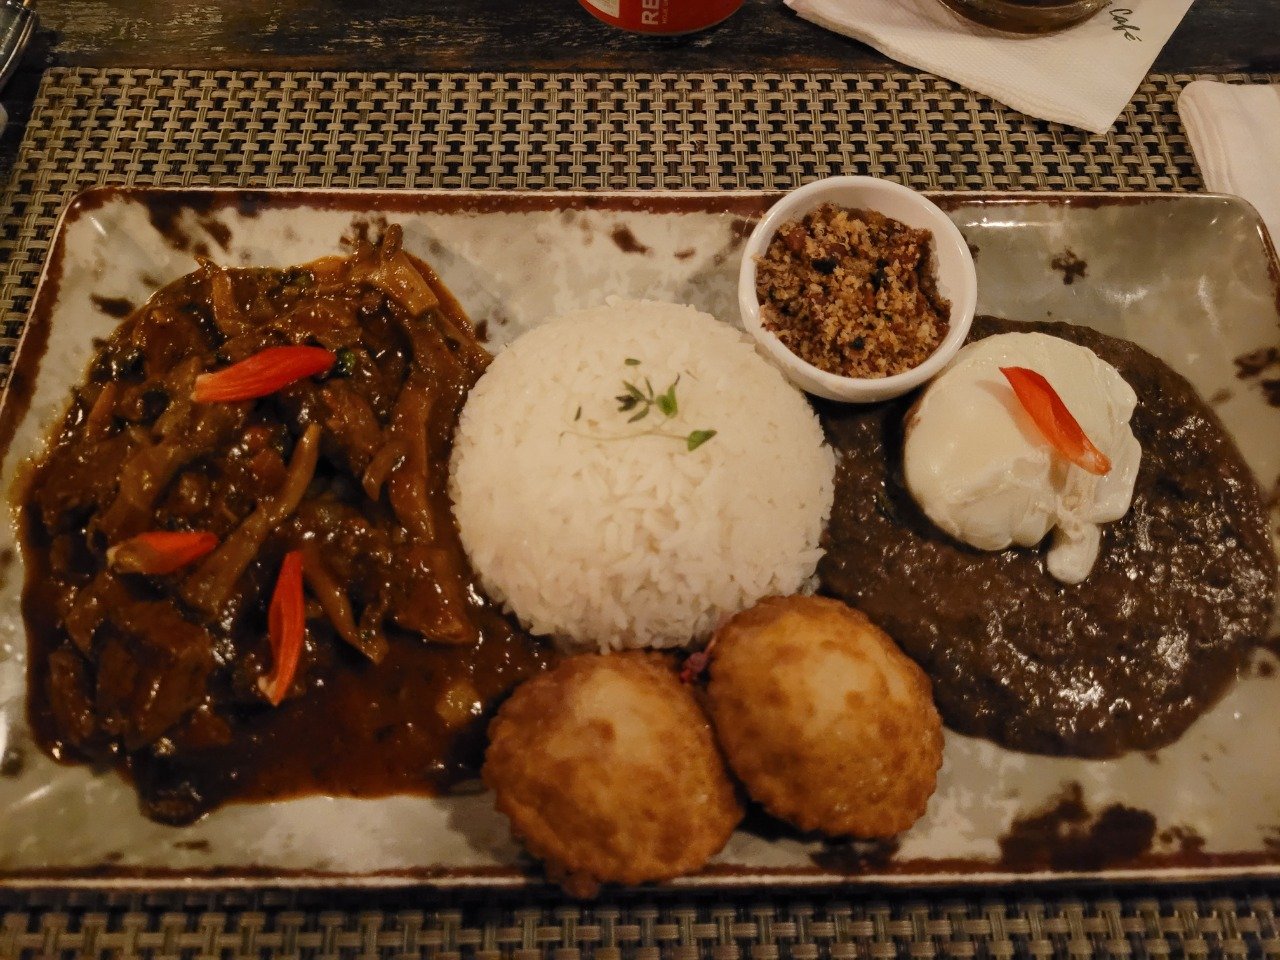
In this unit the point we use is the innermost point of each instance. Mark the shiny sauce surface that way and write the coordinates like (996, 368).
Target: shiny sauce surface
(158, 675)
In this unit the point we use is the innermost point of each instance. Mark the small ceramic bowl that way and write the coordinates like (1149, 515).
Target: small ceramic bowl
(957, 281)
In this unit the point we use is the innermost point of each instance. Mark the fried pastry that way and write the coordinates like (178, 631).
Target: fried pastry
(824, 720)
(607, 769)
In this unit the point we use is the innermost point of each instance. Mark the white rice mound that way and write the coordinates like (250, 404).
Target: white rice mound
(601, 536)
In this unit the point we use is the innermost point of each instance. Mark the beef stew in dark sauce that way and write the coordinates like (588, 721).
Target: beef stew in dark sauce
(162, 674)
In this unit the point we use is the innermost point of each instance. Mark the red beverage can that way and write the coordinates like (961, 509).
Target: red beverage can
(661, 16)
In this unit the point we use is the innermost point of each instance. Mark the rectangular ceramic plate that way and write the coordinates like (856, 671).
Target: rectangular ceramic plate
(1191, 278)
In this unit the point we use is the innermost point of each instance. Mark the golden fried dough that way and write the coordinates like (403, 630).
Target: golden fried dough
(827, 723)
(607, 769)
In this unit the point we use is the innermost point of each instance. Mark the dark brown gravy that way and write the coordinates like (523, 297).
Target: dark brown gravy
(854, 857)
(118, 307)
(1271, 390)
(361, 730)
(1070, 266)
(1068, 837)
(12, 762)
(1257, 362)
(412, 723)
(626, 240)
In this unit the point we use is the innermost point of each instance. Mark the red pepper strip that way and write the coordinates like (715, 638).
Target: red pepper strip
(263, 373)
(1054, 420)
(286, 626)
(159, 551)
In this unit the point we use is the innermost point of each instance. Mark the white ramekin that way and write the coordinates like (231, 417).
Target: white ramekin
(957, 281)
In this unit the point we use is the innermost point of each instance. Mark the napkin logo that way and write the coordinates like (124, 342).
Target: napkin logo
(1121, 15)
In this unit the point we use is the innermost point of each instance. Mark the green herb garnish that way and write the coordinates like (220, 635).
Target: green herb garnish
(646, 400)
(346, 364)
(639, 402)
(666, 402)
(299, 277)
(698, 438)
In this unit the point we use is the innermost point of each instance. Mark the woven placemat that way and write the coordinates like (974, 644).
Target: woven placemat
(233, 926)
(707, 131)
(592, 131)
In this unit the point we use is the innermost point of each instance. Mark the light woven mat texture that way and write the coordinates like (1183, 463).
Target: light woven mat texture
(705, 131)
(230, 926)
(583, 131)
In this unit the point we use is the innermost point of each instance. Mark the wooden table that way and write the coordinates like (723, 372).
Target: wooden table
(1216, 36)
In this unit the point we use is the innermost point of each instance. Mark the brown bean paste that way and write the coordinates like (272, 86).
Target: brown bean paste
(1126, 660)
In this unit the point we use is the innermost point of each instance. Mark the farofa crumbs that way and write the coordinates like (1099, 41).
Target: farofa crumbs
(852, 292)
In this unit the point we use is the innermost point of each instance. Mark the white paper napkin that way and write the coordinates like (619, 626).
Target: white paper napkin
(1234, 131)
(1083, 76)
